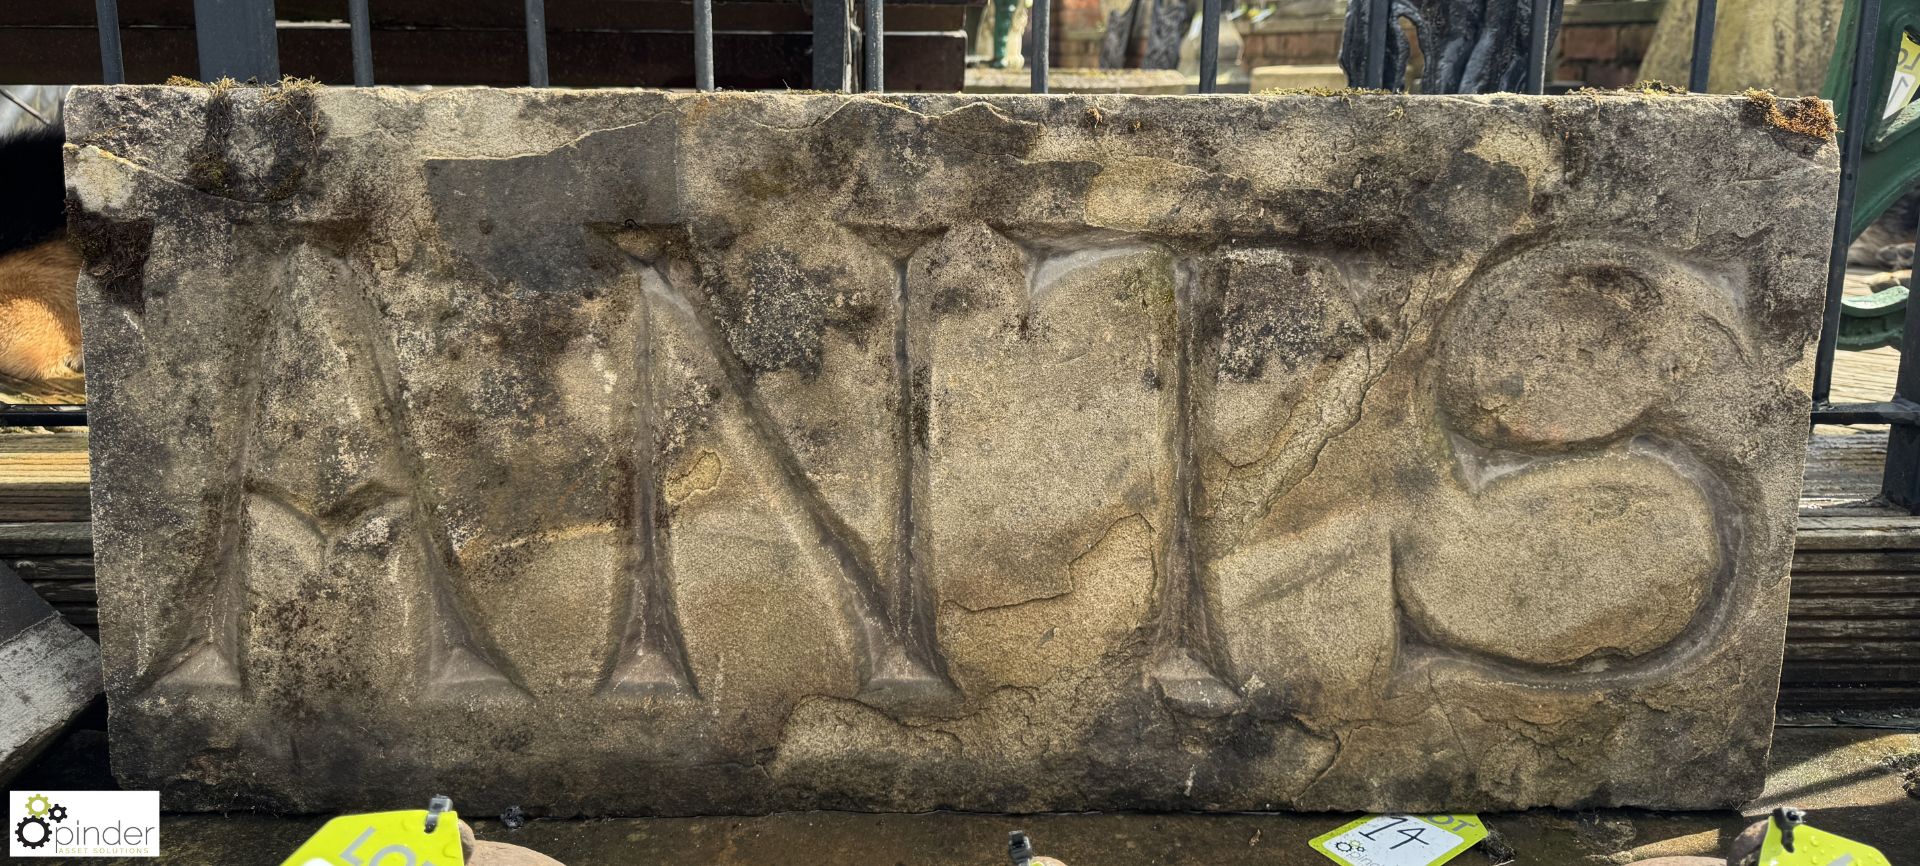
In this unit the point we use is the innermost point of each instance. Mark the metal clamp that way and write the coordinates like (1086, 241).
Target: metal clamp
(1787, 818)
(1019, 848)
(435, 806)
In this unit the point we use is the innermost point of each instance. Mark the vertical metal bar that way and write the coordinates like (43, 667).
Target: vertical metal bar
(1900, 478)
(537, 43)
(1853, 138)
(236, 40)
(1209, 45)
(1041, 63)
(25, 107)
(1703, 21)
(113, 69)
(1538, 38)
(871, 46)
(830, 69)
(362, 25)
(1378, 11)
(703, 44)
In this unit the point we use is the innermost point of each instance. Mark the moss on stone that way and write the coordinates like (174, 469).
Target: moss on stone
(1340, 92)
(1810, 116)
(1639, 88)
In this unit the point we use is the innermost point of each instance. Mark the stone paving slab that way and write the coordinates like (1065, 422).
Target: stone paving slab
(630, 452)
(49, 672)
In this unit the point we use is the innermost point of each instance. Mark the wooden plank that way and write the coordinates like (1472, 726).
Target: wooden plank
(17, 391)
(1844, 466)
(43, 477)
(68, 568)
(1891, 607)
(1800, 651)
(46, 539)
(1857, 561)
(40, 465)
(1801, 696)
(1852, 629)
(1815, 583)
(44, 502)
(1865, 377)
(1892, 672)
(70, 444)
(73, 592)
(80, 614)
(1845, 529)
(1881, 561)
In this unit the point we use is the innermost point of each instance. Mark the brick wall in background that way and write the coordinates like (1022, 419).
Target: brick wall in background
(1604, 54)
(1300, 42)
(1078, 26)
(1300, 47)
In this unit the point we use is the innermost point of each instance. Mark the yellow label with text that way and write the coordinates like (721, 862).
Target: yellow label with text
(1813, 847)
(1401, 840)
(383, 839)
(1906, 76)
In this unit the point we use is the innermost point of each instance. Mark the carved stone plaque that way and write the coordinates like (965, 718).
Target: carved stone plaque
(631, 452)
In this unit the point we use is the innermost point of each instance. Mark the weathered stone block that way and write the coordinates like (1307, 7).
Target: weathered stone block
(49, 673)
(634, 452)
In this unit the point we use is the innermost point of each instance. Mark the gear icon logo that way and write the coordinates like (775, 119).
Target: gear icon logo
(29, 836)
(36, 830)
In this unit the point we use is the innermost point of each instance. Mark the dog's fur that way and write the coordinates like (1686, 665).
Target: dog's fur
(39, 320)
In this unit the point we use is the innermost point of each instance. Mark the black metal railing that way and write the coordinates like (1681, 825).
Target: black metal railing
(357, 19)
(236, 38)
(1900, 474)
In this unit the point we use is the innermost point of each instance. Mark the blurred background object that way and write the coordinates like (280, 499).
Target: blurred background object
(24, 108)
(1778, 45)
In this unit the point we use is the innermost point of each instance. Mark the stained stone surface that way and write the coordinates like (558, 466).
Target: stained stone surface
(49, 673)
(627, 452)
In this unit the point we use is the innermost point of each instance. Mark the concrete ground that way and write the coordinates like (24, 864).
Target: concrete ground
(1861, 780)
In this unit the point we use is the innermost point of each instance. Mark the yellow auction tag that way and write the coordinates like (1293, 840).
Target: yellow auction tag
(383, 839)
(1906, 77)
(1402, 840)
(1815, 848)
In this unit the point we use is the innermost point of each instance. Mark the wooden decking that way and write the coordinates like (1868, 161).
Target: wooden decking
(1853, 630)
(44, 530)
(1853, 624)
(43, 478)
(1853, 636)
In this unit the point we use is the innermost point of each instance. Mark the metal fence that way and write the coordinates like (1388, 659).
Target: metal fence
(237, 39)
(1900, 476)
(238, 42)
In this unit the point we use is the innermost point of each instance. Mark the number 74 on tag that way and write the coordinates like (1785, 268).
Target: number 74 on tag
(1402, 840)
